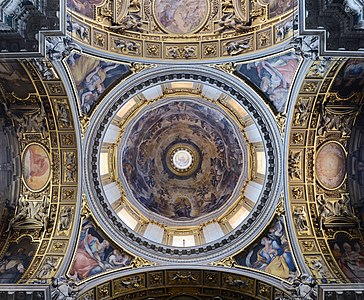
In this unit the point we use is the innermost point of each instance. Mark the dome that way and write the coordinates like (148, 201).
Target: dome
(182, 160)
(182, 163)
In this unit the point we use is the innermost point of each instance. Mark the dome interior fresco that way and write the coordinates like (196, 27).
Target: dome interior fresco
(198, 197)
(182, 160)
(178, 149)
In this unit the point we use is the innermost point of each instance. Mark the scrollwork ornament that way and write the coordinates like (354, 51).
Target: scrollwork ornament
(140, 262)
(280, 210)
(228, 262)
(85, 211)
(229, 67)
(136, 67)
(281, 122)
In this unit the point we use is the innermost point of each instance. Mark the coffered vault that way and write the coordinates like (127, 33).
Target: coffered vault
(181, 149)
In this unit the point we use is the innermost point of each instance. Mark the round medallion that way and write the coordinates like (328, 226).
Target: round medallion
(181, 16)
(182, 159)
(330, 165)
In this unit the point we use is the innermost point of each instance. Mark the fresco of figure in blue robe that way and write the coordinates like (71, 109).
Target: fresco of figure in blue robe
(271, 253)
(93, 78)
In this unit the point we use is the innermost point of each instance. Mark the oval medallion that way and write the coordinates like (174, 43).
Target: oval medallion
(181, 16)
(36, 167)
(330, 165)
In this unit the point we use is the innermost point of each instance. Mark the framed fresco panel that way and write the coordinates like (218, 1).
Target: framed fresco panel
(36, 167)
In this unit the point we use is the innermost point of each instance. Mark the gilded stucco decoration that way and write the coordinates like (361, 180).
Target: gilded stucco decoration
(325, 222)
(217, 152)
(37, 219)
(177, 30)
(196, 283)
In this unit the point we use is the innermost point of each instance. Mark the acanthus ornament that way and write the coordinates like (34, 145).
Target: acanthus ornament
(225, 262)
(139, 262)
(294, 165)
(302, 111)
(281, 122)
(229, 67)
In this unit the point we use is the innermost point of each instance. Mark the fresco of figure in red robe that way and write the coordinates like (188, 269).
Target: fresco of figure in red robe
(36, 167)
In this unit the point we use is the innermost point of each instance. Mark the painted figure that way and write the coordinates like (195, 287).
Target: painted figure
(36, 167)
(180, 16)
(349, 255)
(273, 76)
(92, 77)
(16, 261)
(83, 7)
(272, 254)
(95, 255)
(183, 208)
(200, 192)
